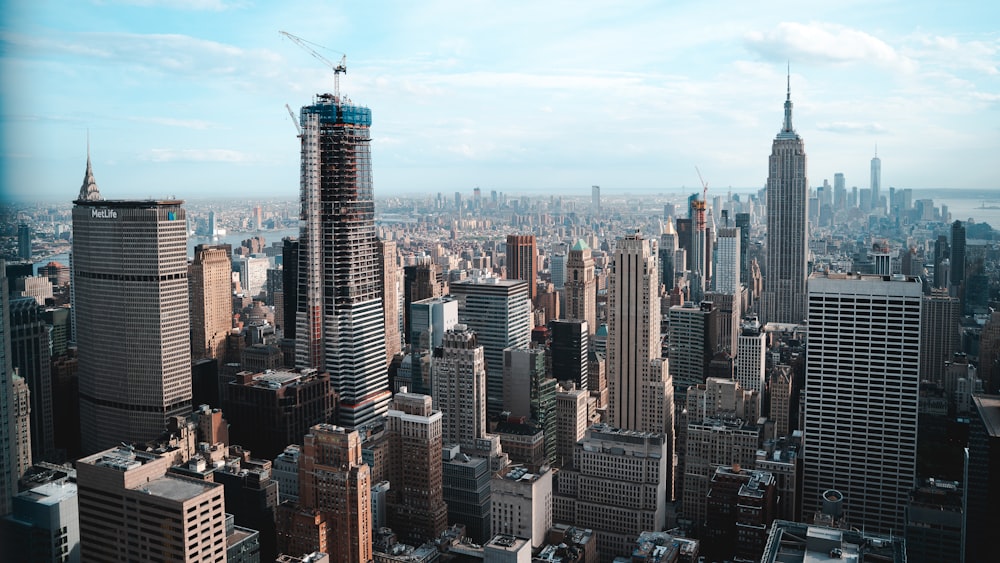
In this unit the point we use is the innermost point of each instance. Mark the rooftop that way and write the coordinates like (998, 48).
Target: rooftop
(176, 488)
(50, 494)
(794, 542)
(989, 410)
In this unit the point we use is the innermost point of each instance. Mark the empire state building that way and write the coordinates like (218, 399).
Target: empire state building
(784, 296)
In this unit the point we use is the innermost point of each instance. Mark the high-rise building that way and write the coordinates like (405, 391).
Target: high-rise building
(24, 242)
(132, 509)
(727, 266)
(633, 331)
(940, 337)
(572, 419)
(751, 359)
(522, 503)
(618, 487)
(779, 390)
(983, 489)
(340, 323)
(252, 274)
(595, 200)
(784, 297)
(45, 525)
(391, 296)
(499, 311)
(22, 424)
(467, 492)
(29, 344)
(267, 411)
(529, 392)
(692, 341)
(130, 305)
(522, 261)
(936, 522)
(211, 281)
(876, 183)
(741, 504)
(862, 384)
(557, 269)
(569, 350)
(289, 286)
(957, 258)
(667, 251)
(460, 386)
(989, 353)
(700, 248)
(8, 425)
(416, 508)
(581, 285)
(429, 319)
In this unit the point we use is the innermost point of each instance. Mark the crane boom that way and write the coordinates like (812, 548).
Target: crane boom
(338, 67)
(294, 120)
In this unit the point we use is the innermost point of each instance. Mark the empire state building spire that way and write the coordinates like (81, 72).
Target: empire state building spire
(787, 131)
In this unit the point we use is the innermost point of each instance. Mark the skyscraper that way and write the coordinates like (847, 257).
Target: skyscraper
(29, 345)
(24, 242)
(570, 351)
(391, 296)
(416, 507)
(876, 184)
(460, 386)
(862, 384)
(340, 323)
(940, 336)
(668, 249)
(595, 200)
(784, 297)
(750, 357)
(522, 261)
(211, 281)
(8, 425)
(130, 292)
(640, 392)
(957, 259)
(581, 286)
(499, 311)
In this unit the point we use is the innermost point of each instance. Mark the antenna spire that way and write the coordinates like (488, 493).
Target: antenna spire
(787, 131)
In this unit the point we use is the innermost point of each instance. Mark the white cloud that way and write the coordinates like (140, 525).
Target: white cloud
(851, 127)
(197, 124)
(825, 43)
(195, 5)
(196, 155)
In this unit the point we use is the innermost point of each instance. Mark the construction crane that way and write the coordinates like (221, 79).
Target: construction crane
(340, 67)
(294, 120)
(704, 185)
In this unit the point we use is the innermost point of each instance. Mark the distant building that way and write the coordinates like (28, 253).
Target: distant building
(391, 280)
(211, 283)
(581, 285)
(522, 261)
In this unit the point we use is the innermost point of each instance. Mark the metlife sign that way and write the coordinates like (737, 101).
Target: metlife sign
(103, 213)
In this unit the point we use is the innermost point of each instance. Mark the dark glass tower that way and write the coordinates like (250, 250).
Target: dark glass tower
(339, 320)
(784, 297)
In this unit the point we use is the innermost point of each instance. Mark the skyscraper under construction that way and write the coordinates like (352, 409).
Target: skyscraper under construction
(339, 319)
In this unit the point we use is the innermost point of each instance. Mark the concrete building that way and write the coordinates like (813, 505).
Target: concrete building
(269, 410)
(779, 388)
(460, 386)
(529, 393)
(507, 549)
(251, 271)
(581, 285)
(751, 356)
(45, 524)
(780, 457)
(430, 318)
(285, 472)
(211, 286)
(784, 296)
(572, 420)
(617, 487)
(130, 307)
(21, 440)
(334, 481)
(940, 337)
(131, 509)
(637, 375)
(392, 296)
(8, 423)
(741, 504)
(522, 261)
(467, 492)
(340, 324)
(522, 503)
(416, 508)
(692, 343)
(727, 265)
(983, 490)
(794, 542)
(667, 252)
(862, 389)
(499, 311)
(935, 522)
(30, 356)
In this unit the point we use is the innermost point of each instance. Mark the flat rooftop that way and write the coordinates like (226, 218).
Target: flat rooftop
(50, 494)
(176, 488)
(989, 409)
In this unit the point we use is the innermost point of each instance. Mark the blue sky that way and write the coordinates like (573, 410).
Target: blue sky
(186, 97)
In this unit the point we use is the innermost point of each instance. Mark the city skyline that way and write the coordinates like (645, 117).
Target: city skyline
(171, 98)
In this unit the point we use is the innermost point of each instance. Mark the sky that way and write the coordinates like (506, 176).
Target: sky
(187, 98)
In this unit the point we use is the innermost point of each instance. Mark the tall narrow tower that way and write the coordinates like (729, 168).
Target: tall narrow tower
(340, 326)
(581, 286)
(522, 261)
(877, 181)
(784, 297)
(130, 289)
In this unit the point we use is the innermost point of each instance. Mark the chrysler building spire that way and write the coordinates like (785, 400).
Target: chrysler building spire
(89, 190)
